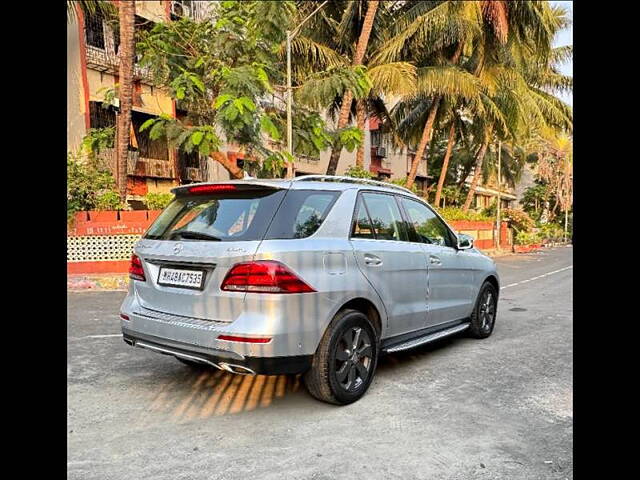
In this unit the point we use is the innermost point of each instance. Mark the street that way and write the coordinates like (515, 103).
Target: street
(499, 408)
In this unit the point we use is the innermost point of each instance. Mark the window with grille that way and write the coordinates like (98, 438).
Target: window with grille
(94, 30)
(156, 149)
(100, 117)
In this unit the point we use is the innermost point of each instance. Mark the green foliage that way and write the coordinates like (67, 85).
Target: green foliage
(527, 238)
(402, 182)
(533, 199)
(455, 213)
(320, 89)
(157, 201)
(351, 138)
(519, 220)
(108, 200)
(355, 171)
(90, 186)
(551, 232)
(223, 71)
(97, 139)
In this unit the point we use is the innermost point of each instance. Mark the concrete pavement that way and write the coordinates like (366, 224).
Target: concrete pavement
(499, 408)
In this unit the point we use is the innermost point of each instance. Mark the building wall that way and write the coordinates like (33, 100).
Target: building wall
(75, 92)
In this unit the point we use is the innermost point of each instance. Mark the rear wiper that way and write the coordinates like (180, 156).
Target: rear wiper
(195, 235)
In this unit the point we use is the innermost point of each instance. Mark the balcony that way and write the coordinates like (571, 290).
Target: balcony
(379, 167)
(140, 166)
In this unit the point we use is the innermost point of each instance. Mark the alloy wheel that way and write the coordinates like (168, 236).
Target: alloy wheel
(487, 311)
(353, 359)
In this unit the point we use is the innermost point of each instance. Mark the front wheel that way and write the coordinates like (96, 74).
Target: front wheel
(345, 361)
(483, 317)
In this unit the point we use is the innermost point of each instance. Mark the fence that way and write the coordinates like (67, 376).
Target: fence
(102, 241)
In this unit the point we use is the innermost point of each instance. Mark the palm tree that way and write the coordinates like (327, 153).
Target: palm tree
(127, 11)
(445, 163)
(103, 8)
(345, 109)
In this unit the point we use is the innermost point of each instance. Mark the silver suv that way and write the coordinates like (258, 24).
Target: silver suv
(316, 275)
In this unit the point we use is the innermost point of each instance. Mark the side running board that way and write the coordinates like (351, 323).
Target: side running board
(415, 342)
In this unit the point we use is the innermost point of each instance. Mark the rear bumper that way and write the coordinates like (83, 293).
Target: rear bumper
(222, 359)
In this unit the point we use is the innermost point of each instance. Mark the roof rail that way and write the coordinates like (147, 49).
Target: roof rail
(334, 178)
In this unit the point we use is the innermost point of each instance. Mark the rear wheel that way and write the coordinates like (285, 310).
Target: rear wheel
(483, 317)
(345, 361)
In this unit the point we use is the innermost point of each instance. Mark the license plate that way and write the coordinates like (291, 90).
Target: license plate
(175, 277)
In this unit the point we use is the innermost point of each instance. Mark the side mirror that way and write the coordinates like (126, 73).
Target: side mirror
(465, 242)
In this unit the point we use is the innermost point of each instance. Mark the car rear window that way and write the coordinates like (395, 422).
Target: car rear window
(301, 214)
(226, 217)
(244, 215)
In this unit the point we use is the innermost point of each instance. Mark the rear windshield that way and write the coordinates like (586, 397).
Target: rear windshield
(243, 216)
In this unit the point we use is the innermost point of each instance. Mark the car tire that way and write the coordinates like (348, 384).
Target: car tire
(339, 373)
(483, 318)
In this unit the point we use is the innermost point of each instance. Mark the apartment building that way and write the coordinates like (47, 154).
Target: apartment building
(153, 166)
(92, 69)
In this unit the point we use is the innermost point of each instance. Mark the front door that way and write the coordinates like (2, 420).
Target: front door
(395, 267)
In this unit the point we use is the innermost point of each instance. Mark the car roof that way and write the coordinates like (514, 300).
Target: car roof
(311, 182)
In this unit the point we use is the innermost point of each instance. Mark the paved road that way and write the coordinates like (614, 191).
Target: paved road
(499, 408)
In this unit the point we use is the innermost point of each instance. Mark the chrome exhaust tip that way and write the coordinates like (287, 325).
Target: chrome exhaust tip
(237, 369)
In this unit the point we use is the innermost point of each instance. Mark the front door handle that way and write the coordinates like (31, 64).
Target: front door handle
(372, 260)
(433, 260)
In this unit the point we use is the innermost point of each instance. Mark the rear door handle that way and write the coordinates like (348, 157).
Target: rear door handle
(372, 260)
(433, 260)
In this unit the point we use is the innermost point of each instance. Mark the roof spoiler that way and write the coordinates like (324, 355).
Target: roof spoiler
(226, 186)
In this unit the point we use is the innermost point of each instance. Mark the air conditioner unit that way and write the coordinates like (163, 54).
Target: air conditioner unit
(180, 10)
(382, 152)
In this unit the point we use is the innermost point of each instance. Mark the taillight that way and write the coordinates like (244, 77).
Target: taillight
(263, 276)
(135, 269)
(204, 189)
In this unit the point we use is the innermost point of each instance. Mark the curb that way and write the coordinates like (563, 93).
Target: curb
(114, 282)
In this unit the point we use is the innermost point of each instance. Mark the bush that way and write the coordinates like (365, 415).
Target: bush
(551, 232)
(518, 219)
(355, 171)
(157, 201)
(90, 186)
(455, 213)
(527, 238)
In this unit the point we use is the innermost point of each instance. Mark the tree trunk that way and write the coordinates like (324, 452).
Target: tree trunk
(361, 48)
(126, 13)
(361, 111)
(235, 171)
(426, 136)
(445, 163)
(477, 174)
(426, 133)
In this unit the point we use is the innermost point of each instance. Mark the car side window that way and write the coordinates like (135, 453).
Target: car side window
(386, 220)
(362, 223)
(427, 225)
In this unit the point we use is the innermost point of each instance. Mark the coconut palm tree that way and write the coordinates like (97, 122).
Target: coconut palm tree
(126, 14)
(103, 8)
(345, 109)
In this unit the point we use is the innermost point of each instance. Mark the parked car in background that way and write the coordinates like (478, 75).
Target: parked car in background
(316, 275)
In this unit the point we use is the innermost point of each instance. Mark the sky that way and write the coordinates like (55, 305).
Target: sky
(565, 37)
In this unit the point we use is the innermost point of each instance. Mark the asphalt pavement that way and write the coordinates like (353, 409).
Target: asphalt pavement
(499, 408)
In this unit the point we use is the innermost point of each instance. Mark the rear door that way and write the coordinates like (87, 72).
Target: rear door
(396, 268)
(450, 275)
(189, 249)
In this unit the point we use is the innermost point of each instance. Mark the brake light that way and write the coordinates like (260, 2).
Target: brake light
(263, 276)
(204, 189)
(234, 338)
(136, 271)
